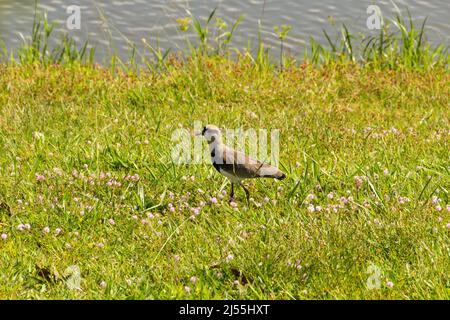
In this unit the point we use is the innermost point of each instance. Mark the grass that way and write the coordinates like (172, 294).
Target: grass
(87, 151)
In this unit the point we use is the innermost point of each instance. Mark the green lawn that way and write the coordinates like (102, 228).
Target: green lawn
(87, 154)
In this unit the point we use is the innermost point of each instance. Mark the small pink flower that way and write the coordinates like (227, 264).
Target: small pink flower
(193, 279)
(111, 222)
(102, 284)
(4, 236)
(46, 230)
(311, 208)
(20, 227)
(213, 200)
(385, 172)
(39, 177)
(233, 204)
(57, 231)
(310, 197)
(438, 208)
(318, 208)
(330, 195)
(390, 284)
(176, 257)
(27, 226)
(343, 200)
(134, 217)
(434, 200)
(172, 209)
(229, 258)
(358, 182)
(187, 289)
(448, 225)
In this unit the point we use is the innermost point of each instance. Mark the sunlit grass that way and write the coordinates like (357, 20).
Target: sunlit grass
(80, 147)
(86, 180)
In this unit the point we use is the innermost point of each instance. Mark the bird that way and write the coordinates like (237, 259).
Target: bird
(236, 165)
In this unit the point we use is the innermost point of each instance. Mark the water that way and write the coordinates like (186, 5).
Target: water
(131, 20)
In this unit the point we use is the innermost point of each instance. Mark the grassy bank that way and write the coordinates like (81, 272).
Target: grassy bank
(88, 191)
(67, 131)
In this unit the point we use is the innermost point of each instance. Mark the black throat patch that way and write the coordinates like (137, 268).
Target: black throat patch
(212, 140)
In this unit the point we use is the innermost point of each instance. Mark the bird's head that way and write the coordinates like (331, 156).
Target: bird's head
(211, 133)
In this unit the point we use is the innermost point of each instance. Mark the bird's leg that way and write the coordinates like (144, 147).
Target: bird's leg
(247, 193)
(232, 192)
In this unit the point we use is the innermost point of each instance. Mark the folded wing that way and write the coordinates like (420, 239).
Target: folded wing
(243, 166)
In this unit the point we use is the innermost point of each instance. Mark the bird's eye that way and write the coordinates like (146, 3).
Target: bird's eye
(204, 130)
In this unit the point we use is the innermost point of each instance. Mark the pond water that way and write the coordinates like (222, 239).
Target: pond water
(111, 25)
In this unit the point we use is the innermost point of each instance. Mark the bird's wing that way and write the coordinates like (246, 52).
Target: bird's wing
(246, 167)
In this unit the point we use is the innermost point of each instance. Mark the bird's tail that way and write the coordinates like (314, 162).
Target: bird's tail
(272, 172)
(281, 175)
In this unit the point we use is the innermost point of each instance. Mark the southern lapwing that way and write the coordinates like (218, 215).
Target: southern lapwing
(236, 165)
